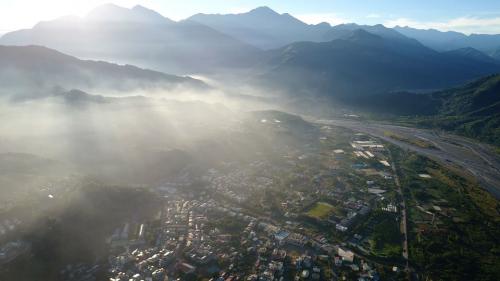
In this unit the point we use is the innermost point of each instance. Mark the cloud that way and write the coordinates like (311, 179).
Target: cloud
(466, 25)
(25, 13)
(330, 18)
(373, 16)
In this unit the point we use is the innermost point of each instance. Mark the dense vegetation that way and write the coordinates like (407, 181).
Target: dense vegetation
(386, 237)
(453, 224)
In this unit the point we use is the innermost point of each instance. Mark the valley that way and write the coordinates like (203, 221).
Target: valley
(227, 141)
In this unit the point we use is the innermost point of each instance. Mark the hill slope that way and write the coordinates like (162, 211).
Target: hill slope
(472, 110)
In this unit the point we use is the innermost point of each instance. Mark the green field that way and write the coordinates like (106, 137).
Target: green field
(321, 210)
(385, 240)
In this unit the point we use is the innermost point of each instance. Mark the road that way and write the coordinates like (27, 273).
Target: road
(477, 158)
(404, 225)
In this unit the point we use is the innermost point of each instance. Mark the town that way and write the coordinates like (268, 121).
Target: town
(339, 219)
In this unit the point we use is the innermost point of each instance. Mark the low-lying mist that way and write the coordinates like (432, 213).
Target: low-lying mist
(139, 137)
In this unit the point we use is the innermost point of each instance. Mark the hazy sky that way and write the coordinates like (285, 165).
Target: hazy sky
(469, 16)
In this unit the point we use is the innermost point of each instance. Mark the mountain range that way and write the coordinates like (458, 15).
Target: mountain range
(445, 41)
(138, 36)
(205, 42)
(363, 63)
(276, 50)
(352, 59)
(267, 29)
(263, 27)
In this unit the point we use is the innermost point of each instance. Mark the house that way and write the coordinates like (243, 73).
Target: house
(340, 227)
(338, 260)
(281, 236)
(347, 255)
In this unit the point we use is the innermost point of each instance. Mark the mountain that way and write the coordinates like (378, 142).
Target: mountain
(472, 110)
(141, 37)
(496, 54)
(39, 68)
(267, 29)
(450, 40)
(479, 98)
(263, 27)
(471, 53)
(431, 37)
(362, 63)
(77, 98)
(80, 99)
(342, 30)
(138, 14)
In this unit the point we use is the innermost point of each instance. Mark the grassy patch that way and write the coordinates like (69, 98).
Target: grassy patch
(413, 141)
(321, 210)
(386, 238)
(383, 235)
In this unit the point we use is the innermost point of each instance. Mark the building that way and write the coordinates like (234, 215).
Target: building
(186, 268)
(347, 255)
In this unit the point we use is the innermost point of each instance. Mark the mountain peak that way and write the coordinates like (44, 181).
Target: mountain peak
(362, 35)
(114, 13)
(140, 7)
(150, 13)
(105, 9)
(264, 10)
(472, 53)
(324, 24)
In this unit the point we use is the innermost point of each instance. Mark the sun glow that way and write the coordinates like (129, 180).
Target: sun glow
(25, 14)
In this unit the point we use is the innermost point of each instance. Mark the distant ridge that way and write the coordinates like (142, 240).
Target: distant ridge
(450, 40)
(263, 27)
(38, 68)
(138, 14)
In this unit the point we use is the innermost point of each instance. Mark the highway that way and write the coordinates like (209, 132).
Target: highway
(477, 158)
